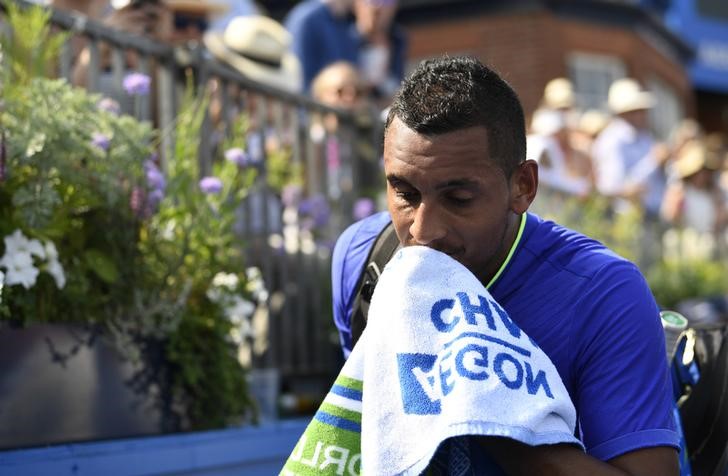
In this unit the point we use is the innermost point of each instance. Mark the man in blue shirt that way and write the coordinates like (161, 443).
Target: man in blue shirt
(357, 31)
(458, 182)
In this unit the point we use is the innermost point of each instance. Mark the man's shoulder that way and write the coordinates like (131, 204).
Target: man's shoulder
(570, 250)
(359, 236)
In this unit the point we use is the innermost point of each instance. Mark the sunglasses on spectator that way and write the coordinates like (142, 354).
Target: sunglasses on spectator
(183, 22)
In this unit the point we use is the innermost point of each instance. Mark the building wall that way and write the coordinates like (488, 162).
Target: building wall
(529, 48)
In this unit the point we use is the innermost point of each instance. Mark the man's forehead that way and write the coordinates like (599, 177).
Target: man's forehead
(471, 142)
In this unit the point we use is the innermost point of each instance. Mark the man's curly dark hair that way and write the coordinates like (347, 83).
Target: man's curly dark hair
(452, 93)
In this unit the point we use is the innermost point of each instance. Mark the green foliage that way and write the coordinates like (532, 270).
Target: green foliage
(75, 182)
(61, 188)
(30, 50)
(675, 280)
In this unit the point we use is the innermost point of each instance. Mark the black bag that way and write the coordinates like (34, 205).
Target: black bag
(382, 251)
(704, 413)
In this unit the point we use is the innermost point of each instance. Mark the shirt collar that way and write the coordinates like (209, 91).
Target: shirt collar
(511, 252)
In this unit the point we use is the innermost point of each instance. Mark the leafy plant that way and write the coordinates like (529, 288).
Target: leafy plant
(96, 231)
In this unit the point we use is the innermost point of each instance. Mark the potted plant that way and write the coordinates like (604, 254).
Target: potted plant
(138, 261)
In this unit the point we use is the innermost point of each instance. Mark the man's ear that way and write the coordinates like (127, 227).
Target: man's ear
(524, 183)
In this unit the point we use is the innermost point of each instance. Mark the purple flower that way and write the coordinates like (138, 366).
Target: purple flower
(155, 179)
(155, 196)
(100, 140)
(109, 105)
(363, 208)
(137, 84)
(291, 195)
(150, 164)
(237, 156)
(211, 185)
(314, 211)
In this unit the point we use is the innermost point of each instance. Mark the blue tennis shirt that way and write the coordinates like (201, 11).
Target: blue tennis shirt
(590, 310)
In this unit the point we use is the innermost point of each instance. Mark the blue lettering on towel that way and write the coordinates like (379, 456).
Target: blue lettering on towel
(471, 355)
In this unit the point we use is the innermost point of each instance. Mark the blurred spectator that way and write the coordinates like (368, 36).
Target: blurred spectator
(358, 31)
(686, 131)
(558, 95)
(340, 85)
(94, 9)
(382, 52)
(695, 200)
(590, 124)
(626, 164)
(257, 47)
(168, 21)
(561, 167)
(235, 8)
(192, 18)
(321, 32)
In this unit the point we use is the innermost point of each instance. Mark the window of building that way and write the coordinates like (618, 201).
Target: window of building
(668, 110)
(592, 74)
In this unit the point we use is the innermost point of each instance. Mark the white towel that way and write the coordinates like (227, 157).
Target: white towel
(439, 358)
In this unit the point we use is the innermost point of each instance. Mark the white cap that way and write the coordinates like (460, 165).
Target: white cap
(626, 95)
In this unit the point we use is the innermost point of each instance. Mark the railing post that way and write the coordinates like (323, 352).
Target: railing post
(166, 106)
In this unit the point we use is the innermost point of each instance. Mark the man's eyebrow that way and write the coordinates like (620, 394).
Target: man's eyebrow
(455, 183)
(391, 178)
(458, 183)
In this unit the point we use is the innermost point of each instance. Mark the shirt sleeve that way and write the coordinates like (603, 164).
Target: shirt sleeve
(609, 170)
(347, 263)
(623, 392)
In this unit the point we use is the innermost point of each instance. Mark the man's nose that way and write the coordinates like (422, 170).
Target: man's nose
(428, 225)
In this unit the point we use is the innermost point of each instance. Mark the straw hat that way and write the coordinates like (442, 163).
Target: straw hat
(626, 95)
(257, 46)
(593, 121)
(694, 156)
(558, 94)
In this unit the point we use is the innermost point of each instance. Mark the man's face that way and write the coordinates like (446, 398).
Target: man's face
(374, 17)
(638, 118)
(444, 192)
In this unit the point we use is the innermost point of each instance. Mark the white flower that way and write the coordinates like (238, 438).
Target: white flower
(19, 243)
(240, 311)
(168, 230)
(227, 280)
(214, 294)
(255, 284)
(56, 270)
(20, 269)
(50, 251)
(2, 283)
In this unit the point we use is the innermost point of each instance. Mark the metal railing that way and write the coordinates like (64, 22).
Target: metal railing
(294, 260)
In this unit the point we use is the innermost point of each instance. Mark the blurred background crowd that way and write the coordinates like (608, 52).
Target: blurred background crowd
(612, 136)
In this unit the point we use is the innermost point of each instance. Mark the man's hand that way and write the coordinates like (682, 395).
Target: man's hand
(517, 459)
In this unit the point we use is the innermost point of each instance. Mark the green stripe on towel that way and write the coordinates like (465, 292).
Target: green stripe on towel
(341, 412)
(348, 382)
